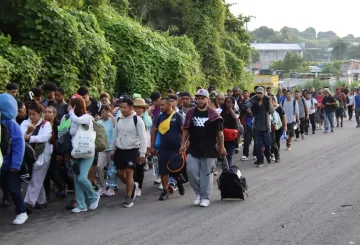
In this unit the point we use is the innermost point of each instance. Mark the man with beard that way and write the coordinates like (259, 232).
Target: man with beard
(204, 128)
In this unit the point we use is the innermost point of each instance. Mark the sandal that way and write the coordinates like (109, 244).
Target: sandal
(73, 204)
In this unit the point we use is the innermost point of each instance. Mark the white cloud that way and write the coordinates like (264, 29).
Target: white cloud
(337, 16)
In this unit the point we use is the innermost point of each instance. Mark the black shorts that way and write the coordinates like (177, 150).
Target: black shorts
(124, 159)
(339, 112)
(290, 130)
(164, 157)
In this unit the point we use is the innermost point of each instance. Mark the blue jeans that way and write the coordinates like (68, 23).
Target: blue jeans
(262, 138)
(83, 188)
(11, 183)
(230, 149)
(329, 119)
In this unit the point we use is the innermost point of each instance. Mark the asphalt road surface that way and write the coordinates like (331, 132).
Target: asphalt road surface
(311, 197)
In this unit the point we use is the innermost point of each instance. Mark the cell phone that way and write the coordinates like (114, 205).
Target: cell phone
(116, 95)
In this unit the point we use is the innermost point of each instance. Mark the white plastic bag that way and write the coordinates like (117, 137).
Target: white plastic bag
(84, 143)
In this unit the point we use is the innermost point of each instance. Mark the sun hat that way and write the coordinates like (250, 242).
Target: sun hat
(140, 103)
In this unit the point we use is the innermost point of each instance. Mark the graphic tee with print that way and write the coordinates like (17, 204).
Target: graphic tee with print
(203, 135)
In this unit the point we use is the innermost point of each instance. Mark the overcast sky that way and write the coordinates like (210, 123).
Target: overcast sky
(338, 16)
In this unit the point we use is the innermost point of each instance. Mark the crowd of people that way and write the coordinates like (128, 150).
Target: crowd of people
(208, 127)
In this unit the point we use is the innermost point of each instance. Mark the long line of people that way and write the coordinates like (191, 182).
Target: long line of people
(207, 127)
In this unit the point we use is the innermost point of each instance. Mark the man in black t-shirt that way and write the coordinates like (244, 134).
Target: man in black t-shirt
(203, 127)
(329, 102)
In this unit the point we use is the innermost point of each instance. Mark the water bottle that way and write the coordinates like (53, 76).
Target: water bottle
(296, 127)
(111, 176)
(284, 135)
(155, 162)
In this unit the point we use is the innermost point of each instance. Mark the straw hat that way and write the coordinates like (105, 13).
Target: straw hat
(140, 103)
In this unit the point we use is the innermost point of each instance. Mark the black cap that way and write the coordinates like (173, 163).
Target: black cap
(124, 97)
(11, 86)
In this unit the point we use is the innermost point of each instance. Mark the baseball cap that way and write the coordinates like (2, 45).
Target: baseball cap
(136, 96)
(326, 90)
(202, 92)
(260, 90)
(124, 97)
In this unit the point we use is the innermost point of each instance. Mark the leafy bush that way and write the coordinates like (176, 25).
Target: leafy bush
(5, 73)
(26, 65)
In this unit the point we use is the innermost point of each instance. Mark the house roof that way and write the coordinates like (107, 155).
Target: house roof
(276, 46)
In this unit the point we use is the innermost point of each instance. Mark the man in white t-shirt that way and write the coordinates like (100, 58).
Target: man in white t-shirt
(311, 104)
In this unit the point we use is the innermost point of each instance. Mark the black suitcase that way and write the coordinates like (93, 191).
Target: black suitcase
(231, 184)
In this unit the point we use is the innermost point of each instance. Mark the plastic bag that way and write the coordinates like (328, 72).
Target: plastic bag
(84, 143)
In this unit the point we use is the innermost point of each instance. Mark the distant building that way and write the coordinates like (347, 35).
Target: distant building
(351, 68)
(270, 52)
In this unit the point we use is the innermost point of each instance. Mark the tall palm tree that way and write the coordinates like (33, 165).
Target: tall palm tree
(339, 49)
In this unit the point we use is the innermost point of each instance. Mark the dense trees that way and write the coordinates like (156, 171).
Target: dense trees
(126, 45)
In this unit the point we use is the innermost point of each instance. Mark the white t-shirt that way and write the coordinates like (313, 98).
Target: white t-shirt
(311, 103)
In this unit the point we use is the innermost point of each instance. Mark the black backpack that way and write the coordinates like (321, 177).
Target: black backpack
(231, 184)
(177, 168)
(5, 140)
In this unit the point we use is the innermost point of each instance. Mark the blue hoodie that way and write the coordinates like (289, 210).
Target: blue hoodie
(8, 109)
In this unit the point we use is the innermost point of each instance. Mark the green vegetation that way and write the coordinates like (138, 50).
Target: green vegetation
(291, 62)
(123, 45)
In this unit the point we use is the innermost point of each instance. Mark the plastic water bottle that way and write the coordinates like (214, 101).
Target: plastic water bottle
(296, 127)
(111, 176)
(155, 162)
(284, 135)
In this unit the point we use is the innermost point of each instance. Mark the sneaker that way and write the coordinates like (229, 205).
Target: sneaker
(337, 125)
(161, 187)
(110, 192)
(197, 200)
(303, 136)
(146, 167)
(72, 204)
(273, 158)
(171, 189)
(78, 210)
(157, 181)
(204, 203)
(20, 219)
(254, 157)
(237, 151)
(325, 132)
(341, 125)
(277, 160)
(244, 158)
(61, 194)
(288, 148)
(40, 206)
(101, 191)
(138, 192)
(136, 185)
(164, 195)
(297, 139)
(317, 126)
(332, 130)
(128, 203)
(313, 132)
(268, 159)
(260, 165)
(95, 204)
(181, 189)
(322, 127)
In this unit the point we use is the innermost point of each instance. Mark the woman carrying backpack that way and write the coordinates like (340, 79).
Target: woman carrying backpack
(38, 133)
(81, 167)
(231, 117)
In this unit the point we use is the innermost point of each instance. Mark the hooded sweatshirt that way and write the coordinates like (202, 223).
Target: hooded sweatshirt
(8, 109)
(128, 136)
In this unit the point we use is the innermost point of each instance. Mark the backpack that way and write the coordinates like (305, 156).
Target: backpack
(177, 168)
(231, 184)
(27, 165)
(5, 140)
(101, 142)
(347, 99)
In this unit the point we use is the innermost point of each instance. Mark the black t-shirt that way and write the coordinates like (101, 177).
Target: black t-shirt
(229, 121)
(61, 110)
(93, 109)
(203, 135)
(329, 99)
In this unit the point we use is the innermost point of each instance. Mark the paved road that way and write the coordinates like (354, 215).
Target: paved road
(311, 197)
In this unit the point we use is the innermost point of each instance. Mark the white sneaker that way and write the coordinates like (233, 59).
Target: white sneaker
(297, 139)
(20, 219)
(95, 204)
(146, 167)
(303, 136)
(254, 158)
(157, 181)
(101, 191)
(110, 192)
(244, 158)
(138, 192)
(78, 210)
(161, 187)
(197, 200)
(204, 203)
